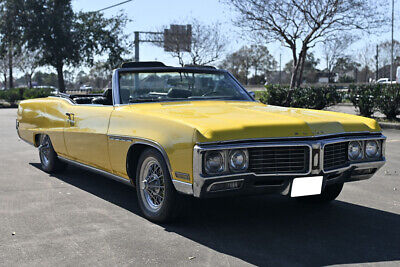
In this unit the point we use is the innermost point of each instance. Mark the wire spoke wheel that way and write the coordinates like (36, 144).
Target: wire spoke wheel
(152, 184)
(45, 150)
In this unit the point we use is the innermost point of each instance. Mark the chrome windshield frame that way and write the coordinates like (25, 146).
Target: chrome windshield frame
(116, 73)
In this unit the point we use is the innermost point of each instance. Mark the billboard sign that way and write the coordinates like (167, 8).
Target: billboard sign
(178, 38)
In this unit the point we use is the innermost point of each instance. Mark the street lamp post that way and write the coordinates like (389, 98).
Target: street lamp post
(391, 57)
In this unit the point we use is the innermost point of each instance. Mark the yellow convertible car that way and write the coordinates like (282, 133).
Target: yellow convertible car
(170, 131)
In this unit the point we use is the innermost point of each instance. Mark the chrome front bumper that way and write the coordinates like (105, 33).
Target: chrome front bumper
(352, 171)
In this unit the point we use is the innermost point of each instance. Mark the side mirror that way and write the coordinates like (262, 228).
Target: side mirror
(253, 95)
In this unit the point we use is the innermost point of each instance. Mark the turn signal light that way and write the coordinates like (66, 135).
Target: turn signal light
(223, 186)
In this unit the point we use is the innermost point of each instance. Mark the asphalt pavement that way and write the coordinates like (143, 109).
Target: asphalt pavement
(80, 218)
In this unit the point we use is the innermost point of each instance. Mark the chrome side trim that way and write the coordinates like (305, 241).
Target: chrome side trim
(119, 138)
(96, 170)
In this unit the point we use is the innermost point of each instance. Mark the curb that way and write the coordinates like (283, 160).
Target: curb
(389, 125)
(345, 104)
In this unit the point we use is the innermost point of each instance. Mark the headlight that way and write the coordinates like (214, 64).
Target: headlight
(355, 150)
(372, 149)
(214, 162)
(238, 160)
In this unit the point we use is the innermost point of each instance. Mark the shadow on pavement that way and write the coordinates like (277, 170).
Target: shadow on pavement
(269, 230)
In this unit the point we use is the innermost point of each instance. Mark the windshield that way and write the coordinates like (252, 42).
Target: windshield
(178, 86)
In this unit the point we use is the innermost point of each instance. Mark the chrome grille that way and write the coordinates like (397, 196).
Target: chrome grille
(335, 155)
(279, 160)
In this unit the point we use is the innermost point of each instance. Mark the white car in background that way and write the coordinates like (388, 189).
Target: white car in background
(85, 88)
(385, 81)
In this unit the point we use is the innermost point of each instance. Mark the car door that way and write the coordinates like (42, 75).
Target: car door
(85, 135)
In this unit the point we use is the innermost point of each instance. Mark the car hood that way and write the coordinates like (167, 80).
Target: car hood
(234, 120)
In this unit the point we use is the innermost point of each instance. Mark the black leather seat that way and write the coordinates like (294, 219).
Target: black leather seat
(83, 100)
(108, 95)
(105, 99)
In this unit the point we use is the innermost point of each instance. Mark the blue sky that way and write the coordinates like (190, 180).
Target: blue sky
(147, 15)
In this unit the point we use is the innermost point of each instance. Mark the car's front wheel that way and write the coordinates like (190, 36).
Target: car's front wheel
(48, 157)
(157, 196)
(330, 193)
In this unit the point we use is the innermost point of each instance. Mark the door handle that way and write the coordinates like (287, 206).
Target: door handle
(71, 118)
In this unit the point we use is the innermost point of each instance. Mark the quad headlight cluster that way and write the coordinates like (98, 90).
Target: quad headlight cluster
(364, 150)
(224, 161)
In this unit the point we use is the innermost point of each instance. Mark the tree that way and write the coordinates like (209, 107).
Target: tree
(66, 38)
(385, 57)
(310, 71)
(334, 48)
(256, 57)
(261, 59)
(28, 62)
(208, 44)
(100, 75)
(346, 68)
(45, 79)
(10, 33)
(233, 62)
(301, 24)
(82, 79)
(365, 58)
(4, 70)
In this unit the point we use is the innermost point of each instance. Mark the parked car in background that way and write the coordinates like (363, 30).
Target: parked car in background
(385, 81)
(85, 88)
(170, 131)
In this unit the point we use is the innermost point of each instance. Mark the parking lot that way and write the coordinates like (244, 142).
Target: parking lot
(80, 218)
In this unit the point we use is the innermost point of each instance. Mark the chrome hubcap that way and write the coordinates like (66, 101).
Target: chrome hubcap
(152, 187)
(44, 150)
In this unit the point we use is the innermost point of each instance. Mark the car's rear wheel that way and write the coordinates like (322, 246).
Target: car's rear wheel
(330, 193)
(157, 196)
(48, 157)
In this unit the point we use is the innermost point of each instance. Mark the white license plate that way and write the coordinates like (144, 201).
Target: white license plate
(306, 186)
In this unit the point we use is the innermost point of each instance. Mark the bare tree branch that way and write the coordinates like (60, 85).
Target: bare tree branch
(301, 24)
